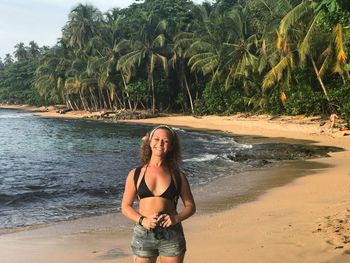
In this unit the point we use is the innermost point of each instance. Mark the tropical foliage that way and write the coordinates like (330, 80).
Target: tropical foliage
(273, 56)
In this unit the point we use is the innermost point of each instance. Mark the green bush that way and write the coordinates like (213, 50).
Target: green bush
(217, 100)
(341, 99)
(303, 100)
(345, 111)
(273, 103)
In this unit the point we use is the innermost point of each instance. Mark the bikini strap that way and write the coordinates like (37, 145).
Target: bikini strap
(178, 181)
(136, 176)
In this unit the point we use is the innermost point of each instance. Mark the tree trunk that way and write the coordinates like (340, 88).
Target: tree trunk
(189, 93)
(100, 98)
(70, 104)
(127, 94)
(143, 105)
(105, 106)
(320, 80)
(83, 101)
(153, 95)
(119, 100)
(151, 87)
(75, 104)
(94, 100)
(109, 99)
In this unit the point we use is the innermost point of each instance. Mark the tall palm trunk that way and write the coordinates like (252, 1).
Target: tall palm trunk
(94, 99)
(184, 78)
(319, 79)
(127, 94)
(109, 99)
(153, 96)
(86, 108)
(151, 87)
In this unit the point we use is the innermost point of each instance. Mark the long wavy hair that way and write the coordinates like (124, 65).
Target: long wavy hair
(173, 157)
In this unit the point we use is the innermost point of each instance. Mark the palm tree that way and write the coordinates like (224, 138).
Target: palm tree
(205, 48)
(33, 49)
(301, 36)
(83, 24)
(146, 48)
(20, 52)
(50, 76)
(241, 54)
(8, 60)
(179, 62)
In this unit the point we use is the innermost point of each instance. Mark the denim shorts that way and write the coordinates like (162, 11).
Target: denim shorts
(168, 242)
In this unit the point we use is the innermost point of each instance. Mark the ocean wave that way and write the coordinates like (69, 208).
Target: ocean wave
(99, 192)
(178, 129)
(15, 115)
(202, 158)
(27, 197)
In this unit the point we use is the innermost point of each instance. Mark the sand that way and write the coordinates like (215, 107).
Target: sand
(306, 220)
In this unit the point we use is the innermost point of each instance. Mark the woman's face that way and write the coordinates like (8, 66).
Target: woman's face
(160, 142)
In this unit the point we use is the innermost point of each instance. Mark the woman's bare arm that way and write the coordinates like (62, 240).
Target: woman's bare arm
(127, 207)
(128, 198)
(187, 198)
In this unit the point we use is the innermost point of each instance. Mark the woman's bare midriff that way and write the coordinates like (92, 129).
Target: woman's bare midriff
(150, 205)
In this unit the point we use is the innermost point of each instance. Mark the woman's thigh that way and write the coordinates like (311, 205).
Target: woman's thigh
(177, 259)
(144, 260)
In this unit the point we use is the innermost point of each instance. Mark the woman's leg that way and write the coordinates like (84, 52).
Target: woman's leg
(177, 259)
(144, 260)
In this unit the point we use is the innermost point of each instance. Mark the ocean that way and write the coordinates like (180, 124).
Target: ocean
(62, 169)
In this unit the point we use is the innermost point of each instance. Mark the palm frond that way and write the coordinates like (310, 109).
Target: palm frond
(339, 45)
(129, 59)
(305, 46)
(276, 73)
(325, 57)
(293, 16)
(159, 41)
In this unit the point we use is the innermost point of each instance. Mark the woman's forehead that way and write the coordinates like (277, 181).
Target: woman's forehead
(162, 133)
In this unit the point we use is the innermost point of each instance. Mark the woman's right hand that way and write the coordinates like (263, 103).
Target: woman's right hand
(150, 222)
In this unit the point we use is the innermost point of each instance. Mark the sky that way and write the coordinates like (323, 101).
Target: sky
(41, 20)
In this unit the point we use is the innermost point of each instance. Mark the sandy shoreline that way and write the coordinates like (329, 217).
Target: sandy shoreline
(304, 221)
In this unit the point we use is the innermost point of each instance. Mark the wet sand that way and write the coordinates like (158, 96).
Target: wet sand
(305, 220)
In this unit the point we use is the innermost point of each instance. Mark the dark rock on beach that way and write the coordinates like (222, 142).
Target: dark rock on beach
(124, 115)
(267, 152)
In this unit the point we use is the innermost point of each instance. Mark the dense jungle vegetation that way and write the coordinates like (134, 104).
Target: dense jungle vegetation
(265, 56)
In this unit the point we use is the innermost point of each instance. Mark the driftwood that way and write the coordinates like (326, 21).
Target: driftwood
(63, 111)
(124, 115)
(108, 114)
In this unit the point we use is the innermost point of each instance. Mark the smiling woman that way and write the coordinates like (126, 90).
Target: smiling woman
(158, 230)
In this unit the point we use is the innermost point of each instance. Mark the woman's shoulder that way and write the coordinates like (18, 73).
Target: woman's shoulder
(135, 169)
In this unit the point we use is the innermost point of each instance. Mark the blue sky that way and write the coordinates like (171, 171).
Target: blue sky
(40, 20)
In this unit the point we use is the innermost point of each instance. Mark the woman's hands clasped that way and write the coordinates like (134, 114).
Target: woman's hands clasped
(162, 220)
(166, 220)
(150, 222)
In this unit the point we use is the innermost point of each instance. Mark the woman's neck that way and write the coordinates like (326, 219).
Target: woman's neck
(156, 161)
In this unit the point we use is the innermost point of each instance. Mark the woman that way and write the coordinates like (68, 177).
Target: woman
(158, 184)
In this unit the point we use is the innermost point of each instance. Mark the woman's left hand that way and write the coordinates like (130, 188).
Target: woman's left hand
(169, 220)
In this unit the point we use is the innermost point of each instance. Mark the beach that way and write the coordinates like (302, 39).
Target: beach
(306, 220)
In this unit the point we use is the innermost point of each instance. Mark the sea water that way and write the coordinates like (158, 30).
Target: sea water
(61, 169)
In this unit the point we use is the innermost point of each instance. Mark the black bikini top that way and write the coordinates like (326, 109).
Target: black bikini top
(171, 193)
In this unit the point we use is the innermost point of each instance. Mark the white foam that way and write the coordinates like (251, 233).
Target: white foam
(14, 115)
(177, 129)
(202, 158)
